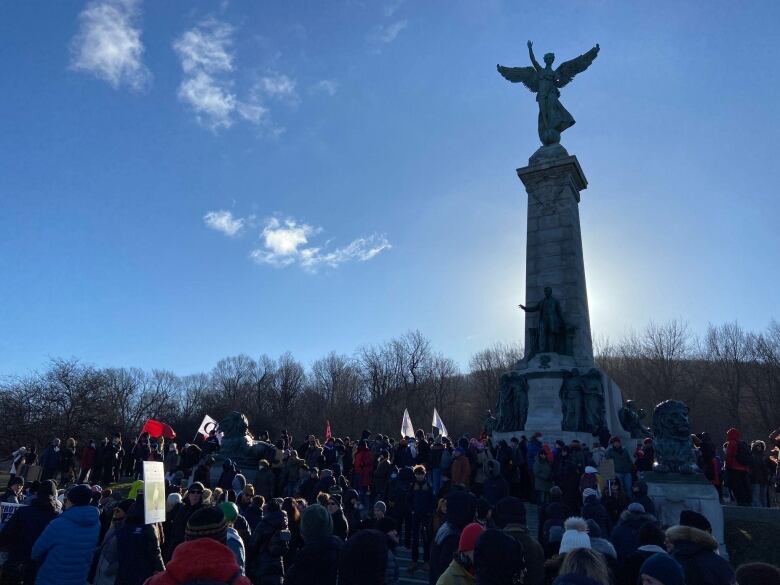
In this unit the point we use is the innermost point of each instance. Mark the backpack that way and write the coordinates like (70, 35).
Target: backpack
(212, 582)
(743, 455)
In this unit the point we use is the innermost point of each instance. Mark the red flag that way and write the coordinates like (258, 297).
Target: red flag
(156, 428)
(328, 433)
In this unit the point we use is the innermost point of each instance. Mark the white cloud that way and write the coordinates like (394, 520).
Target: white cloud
(392, 6)
(387, 33)
(276, 86)
(328, 86)
(223, 221)
(287, 243)
(108, 44)
(206, 58)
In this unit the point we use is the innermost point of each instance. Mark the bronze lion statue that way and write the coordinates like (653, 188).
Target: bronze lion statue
(240, 446)
(673, 445)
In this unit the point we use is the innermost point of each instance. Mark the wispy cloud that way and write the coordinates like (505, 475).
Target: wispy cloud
(288, 242)
(392, 6)
(223, 221)
(108, 44)
(328, 86)
(206, 60)
(384, 34)
(277, 86)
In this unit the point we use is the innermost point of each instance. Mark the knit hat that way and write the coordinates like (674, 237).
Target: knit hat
(195, 487)
(591, 469)
(47, 489)
(636, 508)
(239, 482)
(172, 501)
(509, 510)
(380, 506)
(664, 568)
(758, 574)
(574, 539)
(80, 495)
(207, 523)
(469, 536)
(498, 558)
(316, 522)
(695, 520)
(230, 510)
(386, 525)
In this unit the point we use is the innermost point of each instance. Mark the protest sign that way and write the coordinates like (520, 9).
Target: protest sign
(154, 492)
(607, 469)
(7, 510)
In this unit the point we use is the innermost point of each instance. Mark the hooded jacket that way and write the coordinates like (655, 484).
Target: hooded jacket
(734, 437)
(461, 509)
(66, 547)
(625, 537)
(202, 559)
(696, 550)
(456, 574)
(138, 548)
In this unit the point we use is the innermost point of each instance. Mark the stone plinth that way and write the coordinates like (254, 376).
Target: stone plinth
(673, 492)
(554, 247)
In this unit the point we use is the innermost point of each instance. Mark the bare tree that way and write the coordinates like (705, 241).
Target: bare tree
(727, 350)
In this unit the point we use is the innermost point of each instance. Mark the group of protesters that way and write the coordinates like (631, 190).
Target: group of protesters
(339, 511)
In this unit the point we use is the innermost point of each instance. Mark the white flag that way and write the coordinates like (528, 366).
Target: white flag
(439, 424)
(208, 425)
(407, 430)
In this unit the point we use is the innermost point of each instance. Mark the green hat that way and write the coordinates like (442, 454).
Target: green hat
(230, 510)
(316, 523)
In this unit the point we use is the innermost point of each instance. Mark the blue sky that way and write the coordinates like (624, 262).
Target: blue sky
(182, 181)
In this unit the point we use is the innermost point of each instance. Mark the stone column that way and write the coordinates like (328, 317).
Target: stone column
(554, 247)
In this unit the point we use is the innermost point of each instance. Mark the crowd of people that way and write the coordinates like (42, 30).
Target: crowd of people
(339, 511)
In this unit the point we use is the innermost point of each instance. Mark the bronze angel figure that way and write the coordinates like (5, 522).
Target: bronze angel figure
(545, 83)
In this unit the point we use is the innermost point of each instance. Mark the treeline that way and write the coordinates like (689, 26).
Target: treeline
(728, 377)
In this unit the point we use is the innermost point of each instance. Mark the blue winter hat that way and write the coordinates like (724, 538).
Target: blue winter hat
(663, 567)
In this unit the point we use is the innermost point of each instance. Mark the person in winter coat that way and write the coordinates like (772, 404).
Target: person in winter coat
(13, 492)
(498, 559)
(759, 474)
(22, 530)
(602, 545)
(583, 566)
(461, 511)
(352, 508)
(400, 487)
(567, 477)
(106, 566)
(340, 525)
(204, 557)
(640, 497)
(552, 514)
(651, 542)
(265, 481)
(461, 569)
(590, 479)
(138, 547)
(496, 486)
(510, 517)
(382, 473)
(696, 550)
(542, 477)
(172, 460)
(623, 463)
(292, 474)
(50, 460)
(317, 562)
(421, 505)
(460, 470)
(625, 536)
(364, 467)
(738, 460)
(663, 569)
(86, 461)
(593, 509)
(192, 503)
(233, 540)
(65, 549)
(229, 472)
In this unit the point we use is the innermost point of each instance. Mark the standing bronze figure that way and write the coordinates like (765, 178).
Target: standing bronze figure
(545, 83)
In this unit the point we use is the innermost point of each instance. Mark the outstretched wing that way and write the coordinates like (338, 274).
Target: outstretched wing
(569, 69)
(525, 75)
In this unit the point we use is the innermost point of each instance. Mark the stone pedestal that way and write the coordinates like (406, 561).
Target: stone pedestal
(554, 247)
(672, 493)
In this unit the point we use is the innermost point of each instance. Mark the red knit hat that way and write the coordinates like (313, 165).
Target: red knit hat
(469, 536)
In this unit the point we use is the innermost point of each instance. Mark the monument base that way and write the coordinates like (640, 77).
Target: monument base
(674, 492)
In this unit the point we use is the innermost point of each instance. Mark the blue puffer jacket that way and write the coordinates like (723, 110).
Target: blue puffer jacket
(66, 547)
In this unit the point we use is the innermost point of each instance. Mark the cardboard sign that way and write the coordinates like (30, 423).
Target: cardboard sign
(7, 510)
(607, 469)
(154, 492)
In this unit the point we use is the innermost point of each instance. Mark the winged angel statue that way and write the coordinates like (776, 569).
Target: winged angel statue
(545, 83)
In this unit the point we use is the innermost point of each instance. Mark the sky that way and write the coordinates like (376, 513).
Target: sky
(183, 181)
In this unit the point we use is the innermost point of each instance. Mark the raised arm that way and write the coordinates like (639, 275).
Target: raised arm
(531, 309)
(534, 62)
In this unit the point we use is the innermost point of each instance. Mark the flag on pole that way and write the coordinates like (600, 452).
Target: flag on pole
(157, 429)
(439, 424)
(208, 425)
(328, 433)
(407, 429)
